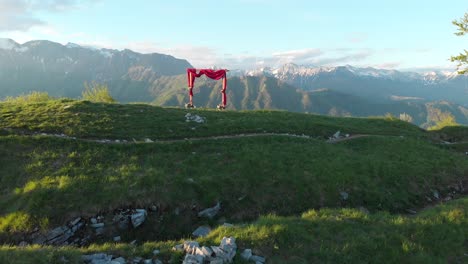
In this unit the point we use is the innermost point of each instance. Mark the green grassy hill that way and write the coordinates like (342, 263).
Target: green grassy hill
(283, 193)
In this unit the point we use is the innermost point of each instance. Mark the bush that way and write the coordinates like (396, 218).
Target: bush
(447, 121)
(97, 92)
(32, 97)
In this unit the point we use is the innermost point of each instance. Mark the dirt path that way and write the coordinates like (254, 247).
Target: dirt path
(148, 140)
(330, 140)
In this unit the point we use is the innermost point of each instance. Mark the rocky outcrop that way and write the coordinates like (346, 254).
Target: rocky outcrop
(80, 231)
(194, 118)
(210, 212)
(62, 235)
(195, 254)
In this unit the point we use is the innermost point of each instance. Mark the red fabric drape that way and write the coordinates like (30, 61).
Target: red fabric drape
(212, 74)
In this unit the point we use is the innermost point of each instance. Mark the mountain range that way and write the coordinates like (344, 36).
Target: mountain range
(61, 70)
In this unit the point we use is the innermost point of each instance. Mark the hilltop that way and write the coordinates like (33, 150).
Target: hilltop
(61, 71)
(287, 188)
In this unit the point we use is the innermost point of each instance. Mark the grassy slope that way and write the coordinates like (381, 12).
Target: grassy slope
(275, 174)
(438, 235)
(114, 121)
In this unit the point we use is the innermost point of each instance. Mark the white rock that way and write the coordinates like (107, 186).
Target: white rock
(210, 212)
(138, 218)
(257, 259)
(120, 260)
(337, 135)
(246, 254)
(201, 231)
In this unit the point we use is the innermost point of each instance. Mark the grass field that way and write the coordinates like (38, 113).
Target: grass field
(283, 192)
(437, 235)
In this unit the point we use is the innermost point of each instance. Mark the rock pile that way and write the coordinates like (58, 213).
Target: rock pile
(194, 118)
(80, 231)
(201, 231)
(338, 135)
(63, 235)
(126, 217)
(210, 212)
(247, 255)
(224, 253)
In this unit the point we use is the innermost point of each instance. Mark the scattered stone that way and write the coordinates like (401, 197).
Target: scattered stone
(344, 195)
(156, 252)
(148, 261)
(257, 259)
(157, 261)
(137, 259)
(201, 231)
(179, 247)
(99, 231)
(138, 217)
(246, 254)
(206, 251)
(336, 135)
(75, 222)
(119, 260)
(97, 225)
(194, 118)
(117, 239)
(216, 255)
(62, 235)
(193, 259)
(190, 245)
(210, 212)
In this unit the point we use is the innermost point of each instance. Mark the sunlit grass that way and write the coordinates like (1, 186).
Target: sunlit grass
(44, 181)
(317, 236)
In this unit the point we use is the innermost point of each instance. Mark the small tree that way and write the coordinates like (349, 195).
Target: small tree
(406, 117)
(97, 92)
(445, 121)
(462, 58)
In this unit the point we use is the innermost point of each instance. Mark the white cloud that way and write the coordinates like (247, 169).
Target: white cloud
(297, 56)
(387, 65)
(20, 15)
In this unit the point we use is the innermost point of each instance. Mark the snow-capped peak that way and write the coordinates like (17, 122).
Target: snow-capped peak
(291, 70)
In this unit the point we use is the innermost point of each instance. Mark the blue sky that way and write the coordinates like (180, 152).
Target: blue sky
(251, 33)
